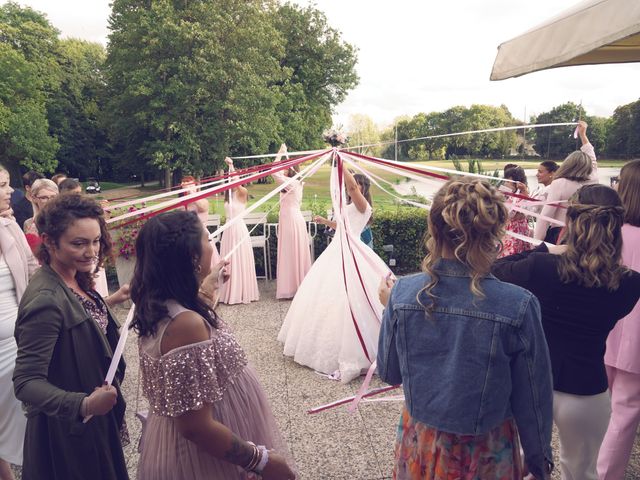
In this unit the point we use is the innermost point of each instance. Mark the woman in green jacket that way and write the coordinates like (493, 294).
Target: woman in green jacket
(66, 336)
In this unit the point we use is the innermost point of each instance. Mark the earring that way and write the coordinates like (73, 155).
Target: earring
(198, 268)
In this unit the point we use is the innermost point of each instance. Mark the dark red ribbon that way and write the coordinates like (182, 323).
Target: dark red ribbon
(207, 193)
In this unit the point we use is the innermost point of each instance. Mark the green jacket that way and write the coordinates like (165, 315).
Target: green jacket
(62, 356)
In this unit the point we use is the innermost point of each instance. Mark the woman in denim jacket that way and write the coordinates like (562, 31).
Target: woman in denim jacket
(469, 351)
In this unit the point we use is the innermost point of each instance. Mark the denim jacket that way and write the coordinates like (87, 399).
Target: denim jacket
(474, 362)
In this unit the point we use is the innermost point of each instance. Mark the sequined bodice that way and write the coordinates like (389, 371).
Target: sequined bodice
(186, 377)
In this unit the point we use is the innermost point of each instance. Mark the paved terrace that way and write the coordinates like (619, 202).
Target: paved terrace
(330, 445)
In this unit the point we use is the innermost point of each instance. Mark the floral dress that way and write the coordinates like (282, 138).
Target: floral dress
(518, 223)
(425, 453)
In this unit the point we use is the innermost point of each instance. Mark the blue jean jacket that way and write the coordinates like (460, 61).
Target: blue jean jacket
(474, 362)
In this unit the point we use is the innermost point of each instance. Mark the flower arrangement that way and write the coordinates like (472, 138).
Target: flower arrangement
(125, 238)
(335, 137)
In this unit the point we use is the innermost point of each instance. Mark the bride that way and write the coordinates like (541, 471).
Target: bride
(334, 319)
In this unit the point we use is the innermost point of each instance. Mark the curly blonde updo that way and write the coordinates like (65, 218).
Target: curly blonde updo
(467, 220)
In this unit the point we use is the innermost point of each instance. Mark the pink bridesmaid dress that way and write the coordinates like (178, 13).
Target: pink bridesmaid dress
(242, 286)
(294, 254)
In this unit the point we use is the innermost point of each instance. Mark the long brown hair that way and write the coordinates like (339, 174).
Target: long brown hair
(594, 239)
(577, 167)
(629, 190)
(467, 218)
(56, 217)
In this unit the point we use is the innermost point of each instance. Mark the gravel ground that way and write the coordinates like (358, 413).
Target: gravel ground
(331, 445)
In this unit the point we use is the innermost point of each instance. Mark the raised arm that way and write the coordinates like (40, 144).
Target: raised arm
(588, 149)
(354, 191)
(280, 177)
(240, 191)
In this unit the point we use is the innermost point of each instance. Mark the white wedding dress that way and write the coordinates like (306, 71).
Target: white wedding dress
(334, 319)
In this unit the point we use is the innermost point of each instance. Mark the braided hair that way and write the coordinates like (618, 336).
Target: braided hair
(594, 239)
(168, 249)
(467, 218)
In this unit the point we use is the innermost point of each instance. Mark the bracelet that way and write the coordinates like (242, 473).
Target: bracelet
(255, 458)
(264, 459)
(84, 407)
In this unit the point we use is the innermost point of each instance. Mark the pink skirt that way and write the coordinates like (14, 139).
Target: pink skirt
(244, 409)
(294, 254)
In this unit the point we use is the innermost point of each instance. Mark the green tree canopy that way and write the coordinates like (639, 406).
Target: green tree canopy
(74, 109)
(623, 137)
(28, 46)
(453, 120)
(192, 82)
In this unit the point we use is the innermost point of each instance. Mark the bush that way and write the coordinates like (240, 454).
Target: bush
(402, 227)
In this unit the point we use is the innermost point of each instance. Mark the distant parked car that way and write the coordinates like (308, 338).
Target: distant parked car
(93, 186)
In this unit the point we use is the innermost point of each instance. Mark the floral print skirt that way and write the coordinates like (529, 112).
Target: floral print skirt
(512, 245)
(425, 453)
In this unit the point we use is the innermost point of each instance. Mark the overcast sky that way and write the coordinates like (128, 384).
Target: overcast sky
(425, 55)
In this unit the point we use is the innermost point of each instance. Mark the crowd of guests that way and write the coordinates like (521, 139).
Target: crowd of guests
(490, 351)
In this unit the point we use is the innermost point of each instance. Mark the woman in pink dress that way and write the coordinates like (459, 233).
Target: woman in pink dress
(243, 285)
(294, 254)
(621, 358)
(206, 404)
(201, 208)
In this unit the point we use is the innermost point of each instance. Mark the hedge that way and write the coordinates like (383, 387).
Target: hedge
(402, 227)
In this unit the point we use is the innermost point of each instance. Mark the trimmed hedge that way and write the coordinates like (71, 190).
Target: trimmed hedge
(402, 227)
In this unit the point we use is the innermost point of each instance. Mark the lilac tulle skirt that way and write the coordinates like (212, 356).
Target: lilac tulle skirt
(244, 409)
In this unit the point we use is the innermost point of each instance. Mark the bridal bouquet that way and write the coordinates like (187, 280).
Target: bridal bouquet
(335, 138)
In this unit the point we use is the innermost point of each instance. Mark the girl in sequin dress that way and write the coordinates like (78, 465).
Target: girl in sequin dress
(206, 403)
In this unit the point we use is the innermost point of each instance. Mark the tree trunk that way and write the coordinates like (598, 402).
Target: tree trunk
(167, 178)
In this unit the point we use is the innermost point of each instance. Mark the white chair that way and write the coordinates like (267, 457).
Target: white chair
(260, 239)
(312, 229)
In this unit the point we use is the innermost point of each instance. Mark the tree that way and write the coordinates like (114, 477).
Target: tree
(557, 142)
(362, 130)
(192, 82)
(623, 136)
(455, 120)
(29, 69)
(321, 69)
(75, 108)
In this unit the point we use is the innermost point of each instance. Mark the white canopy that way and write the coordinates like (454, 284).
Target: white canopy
(592, 32)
